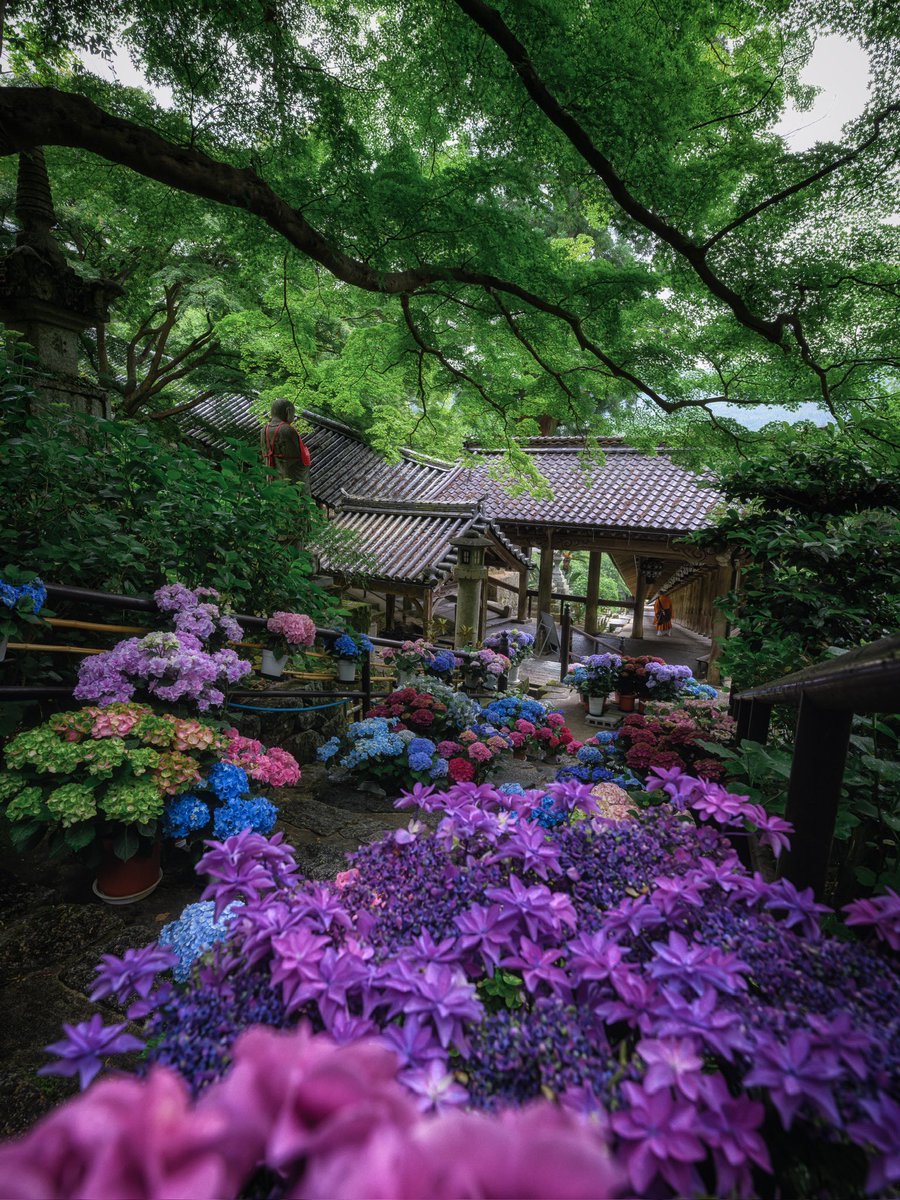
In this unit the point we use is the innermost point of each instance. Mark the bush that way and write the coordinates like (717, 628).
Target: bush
(113, 506)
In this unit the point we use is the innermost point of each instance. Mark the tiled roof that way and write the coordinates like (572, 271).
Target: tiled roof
(410, 542)
(343, 463)
(630, 491)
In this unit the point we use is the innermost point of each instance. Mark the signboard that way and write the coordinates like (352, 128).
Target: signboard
(547, 640)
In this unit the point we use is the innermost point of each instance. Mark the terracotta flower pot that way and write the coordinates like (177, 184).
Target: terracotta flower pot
(626, 701)
(518, 754)
(127, 882)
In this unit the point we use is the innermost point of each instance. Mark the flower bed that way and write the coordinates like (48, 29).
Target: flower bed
(722, 1043)
(421, 658)
(130, 774)
(529, 726)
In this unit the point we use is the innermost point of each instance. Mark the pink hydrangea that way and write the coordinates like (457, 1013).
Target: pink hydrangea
(555, 719)
(275, 767)
(479, 752)
(297, 629)
(525, 727)
(114, 724)
(448, 749)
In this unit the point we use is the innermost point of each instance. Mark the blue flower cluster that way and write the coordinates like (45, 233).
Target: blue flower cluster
(195, 931)
(253, 812)
(509, 709)
(348, 646)
(548, 814)
(420, 753)
(377, 738)
(28, 597)
(443, 663)
(328, 749)
(700, 691)
(184, 815)
(228, 781)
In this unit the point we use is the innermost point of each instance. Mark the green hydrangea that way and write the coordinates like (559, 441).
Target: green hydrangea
(142, 760)
(71, 803)
(157, 731)
(44, 750)
(103, 755)
(10, 783)
(28, 803)
(132, 801)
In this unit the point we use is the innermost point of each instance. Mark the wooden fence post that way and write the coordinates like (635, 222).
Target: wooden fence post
(565, 641)
(821, 740)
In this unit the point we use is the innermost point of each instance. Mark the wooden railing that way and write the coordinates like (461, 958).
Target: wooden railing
(826, 695)
(113, 600)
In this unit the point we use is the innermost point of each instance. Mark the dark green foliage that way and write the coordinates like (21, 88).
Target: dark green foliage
(815, 519)
(112, 506)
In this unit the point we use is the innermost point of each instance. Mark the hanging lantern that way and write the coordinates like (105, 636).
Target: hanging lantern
(652, 568)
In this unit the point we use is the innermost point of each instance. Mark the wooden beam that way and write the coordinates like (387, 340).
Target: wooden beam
(595, 562)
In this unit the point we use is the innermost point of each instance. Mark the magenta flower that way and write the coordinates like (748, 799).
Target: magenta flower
(85, 1045)
(297, 956)
(730, 1128)
(528, 841)
(659, 1137)
(487, 930)
(413, 1042)
(717, 1027)
(538, 907)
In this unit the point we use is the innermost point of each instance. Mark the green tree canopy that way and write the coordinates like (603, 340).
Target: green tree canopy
(539, 208)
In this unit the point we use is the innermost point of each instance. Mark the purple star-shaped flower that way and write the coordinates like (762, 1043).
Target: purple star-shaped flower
(486, 929)
(295, 965)
(135, 971)
(697, 967)
(659, 1138)
(529, 842)
(434, 1086)
(800, 908)
(878, 1128)
(538, 965)
(718, 1028)
(881, 912)
(540, 909)
(672, 1062)
(448, 999)
(796, 1073)
(85, 1045)
(731, 1130)
(413, 1042)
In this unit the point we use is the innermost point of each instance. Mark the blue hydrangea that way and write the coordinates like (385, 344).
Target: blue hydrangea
(420, 745)
(184, 815)
(329, 750)
(228, 781)
(255, 812)
(195, 932)
(347, 646)
(34, 593)
(547, 815)
(439, 769)
(443, 663)
(512, 789)
(420, 762)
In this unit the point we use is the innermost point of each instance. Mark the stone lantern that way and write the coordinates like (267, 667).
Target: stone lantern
(44, 299)
(470, 574)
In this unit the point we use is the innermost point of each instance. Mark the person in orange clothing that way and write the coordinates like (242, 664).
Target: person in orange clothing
(663, 611)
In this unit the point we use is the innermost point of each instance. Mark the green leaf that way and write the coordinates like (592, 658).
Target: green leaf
(127, 844)
(78, 836)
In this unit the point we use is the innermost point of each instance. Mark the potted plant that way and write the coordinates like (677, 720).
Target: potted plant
(285, 633)
(483, 669)
(348, 649)
(594, 678)
(22, 596)
(631, 679)
(516, 644)
(107, 784)
(420, 658)
(666, 681)
(172, 668)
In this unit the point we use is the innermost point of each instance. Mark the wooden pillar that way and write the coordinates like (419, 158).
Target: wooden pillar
(522, 610)
(719, 622)
(817, 771)
(640, 595)
(390, 608)
(427, 612)
(545, 581)
(595, 561)
(482, 612)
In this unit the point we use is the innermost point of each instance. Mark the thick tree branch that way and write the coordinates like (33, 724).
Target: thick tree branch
(182, 408)
(828, 169)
